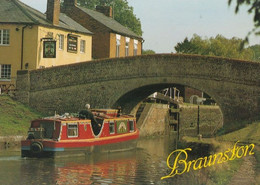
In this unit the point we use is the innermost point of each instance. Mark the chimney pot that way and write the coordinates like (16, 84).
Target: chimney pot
(106, 10)
(69, 3)
(53, 11)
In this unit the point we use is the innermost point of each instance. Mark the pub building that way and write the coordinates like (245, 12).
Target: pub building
(31, 40)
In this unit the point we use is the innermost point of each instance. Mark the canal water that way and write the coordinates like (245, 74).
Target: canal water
(145, 165)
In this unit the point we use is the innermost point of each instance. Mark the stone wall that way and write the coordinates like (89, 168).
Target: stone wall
(233, 84)
(155, 121)
(211, 119)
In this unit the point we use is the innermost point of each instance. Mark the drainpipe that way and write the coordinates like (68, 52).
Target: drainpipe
(22, 46)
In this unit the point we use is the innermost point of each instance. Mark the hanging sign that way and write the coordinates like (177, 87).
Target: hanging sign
(49, 49)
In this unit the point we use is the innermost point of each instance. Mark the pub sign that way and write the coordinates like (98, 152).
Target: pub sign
(72, 43)
(49, 49)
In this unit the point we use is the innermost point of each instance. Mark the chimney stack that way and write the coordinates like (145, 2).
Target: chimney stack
(106, 10)
(53, 11)
(69, 3)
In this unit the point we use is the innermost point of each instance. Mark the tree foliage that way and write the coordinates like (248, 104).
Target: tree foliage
(148, 52)
(253, 7)
(218, 46)
(123, 13)
(256, 49)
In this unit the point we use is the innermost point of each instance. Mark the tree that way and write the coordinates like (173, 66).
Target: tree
(254, 7)
(256, 49)
(148, 52)
(218, 46)
(123, 13)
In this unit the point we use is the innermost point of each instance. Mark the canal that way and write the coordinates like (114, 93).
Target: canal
(145, 165)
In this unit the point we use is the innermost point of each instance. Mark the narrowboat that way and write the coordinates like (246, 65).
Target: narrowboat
(71, 135)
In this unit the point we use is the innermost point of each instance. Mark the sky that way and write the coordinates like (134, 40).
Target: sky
(167, 22)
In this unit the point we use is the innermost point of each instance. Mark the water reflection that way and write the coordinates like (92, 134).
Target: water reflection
(145, 165)
(103, 169)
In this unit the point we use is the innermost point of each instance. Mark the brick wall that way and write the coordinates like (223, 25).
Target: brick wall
(101, 36)
(189, 92)
(104, 39)
(53, 11)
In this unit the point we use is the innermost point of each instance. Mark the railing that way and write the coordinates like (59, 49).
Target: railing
(170, 95)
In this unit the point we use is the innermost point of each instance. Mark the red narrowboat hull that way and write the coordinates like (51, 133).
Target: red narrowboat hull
(66, 135)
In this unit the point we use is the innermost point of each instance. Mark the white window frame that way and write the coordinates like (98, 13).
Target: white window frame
(135, 47)
(75, 134)
(82, 46)
(127, 40)
(118, 43)
(3, 36)
(61, 41)
(10, 73)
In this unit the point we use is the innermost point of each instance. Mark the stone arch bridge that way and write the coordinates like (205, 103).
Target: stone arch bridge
(233, 84)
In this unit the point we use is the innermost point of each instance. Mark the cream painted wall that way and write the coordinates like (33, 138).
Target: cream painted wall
(63, 57)
(11, 54)
(33, 49)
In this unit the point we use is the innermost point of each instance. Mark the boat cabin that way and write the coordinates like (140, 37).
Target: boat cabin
(68, 135)
(65, 128)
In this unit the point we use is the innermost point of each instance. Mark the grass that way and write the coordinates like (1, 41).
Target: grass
(257, 157)
(249, 134)
(15, 117)
(232, 127)
(222, 174)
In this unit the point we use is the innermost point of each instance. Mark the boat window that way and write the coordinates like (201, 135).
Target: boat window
(72, 130)
(41, 130)
(131, 125)
(111, 127)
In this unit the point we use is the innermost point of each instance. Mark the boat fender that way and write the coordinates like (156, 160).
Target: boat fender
(36, 147)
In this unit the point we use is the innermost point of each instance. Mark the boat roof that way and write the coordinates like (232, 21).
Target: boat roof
(99, 114)
(60, 119)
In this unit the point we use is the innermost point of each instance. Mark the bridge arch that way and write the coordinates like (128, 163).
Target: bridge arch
(233, 84)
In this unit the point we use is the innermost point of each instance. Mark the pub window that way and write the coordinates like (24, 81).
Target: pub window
(72, 130)
(117, 50)
(111, 127)
(131, 126)
(127, 40)
(61, 42)
(135, 47)
(82, 46)
(5, 72)
(126, 49)
(4, 37)
(118, 37)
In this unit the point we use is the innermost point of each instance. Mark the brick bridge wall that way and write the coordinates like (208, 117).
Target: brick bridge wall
(233, 84)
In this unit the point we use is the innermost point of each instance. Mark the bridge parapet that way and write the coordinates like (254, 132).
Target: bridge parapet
(234, 84)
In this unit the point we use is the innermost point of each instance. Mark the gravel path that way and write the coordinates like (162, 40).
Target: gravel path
(246, 173)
